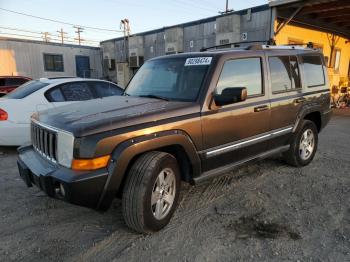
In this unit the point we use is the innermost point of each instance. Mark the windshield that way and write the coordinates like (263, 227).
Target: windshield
(26, 89)
(171, 79)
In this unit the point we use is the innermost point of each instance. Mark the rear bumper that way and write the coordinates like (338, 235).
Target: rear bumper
(80, 188)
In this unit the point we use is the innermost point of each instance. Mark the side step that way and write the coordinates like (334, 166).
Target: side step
(223, 170)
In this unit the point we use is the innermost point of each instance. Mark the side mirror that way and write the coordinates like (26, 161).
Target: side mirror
(230, 95)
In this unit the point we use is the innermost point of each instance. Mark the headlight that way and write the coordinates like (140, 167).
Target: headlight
(65, 144)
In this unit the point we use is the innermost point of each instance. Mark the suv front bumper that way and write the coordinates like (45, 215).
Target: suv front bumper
(76, 187)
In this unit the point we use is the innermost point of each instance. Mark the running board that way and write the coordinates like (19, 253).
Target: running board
(223, 170)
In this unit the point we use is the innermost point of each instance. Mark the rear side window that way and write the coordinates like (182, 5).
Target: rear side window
(26, 89)
(55, 95)
(104, 89)
(313, 70)
(242, 73)
(77, 91)
(285, 74)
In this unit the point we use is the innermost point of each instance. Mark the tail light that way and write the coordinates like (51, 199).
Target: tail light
(3, 115)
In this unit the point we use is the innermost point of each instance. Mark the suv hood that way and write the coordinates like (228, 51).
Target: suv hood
(110, 113)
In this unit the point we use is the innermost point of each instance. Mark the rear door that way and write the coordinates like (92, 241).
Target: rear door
(236, 132)
(286, 95)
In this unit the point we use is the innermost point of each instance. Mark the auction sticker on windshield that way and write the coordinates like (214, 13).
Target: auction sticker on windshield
(198, 61)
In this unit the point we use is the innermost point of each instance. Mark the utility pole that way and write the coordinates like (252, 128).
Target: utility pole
(227, 10)
(62, 33)
(79, 31)
(125, 26)
(46, 36)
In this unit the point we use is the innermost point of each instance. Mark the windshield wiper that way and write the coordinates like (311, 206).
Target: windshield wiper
(155, 96)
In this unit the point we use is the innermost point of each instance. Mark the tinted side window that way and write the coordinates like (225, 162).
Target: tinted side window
(77, 91)
(2, 82)
(242, 73)
(284, 72)
(104, 89)
(313, 70)
(55, 95)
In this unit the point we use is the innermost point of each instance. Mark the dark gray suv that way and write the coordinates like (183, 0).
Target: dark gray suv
(185, 117)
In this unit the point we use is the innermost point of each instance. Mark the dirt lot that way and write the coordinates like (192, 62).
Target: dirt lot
(262, 212)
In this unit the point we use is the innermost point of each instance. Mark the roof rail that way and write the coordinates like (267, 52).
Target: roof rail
(235, 45)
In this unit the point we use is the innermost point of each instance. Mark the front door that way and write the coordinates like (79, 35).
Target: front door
(238, 131)
(82, 66)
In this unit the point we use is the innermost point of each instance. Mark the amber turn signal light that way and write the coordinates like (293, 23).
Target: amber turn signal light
(90, 164)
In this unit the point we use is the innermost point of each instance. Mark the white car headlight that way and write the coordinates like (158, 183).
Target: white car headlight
(65, 144)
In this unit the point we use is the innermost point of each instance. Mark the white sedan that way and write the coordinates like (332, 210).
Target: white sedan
(36, 95)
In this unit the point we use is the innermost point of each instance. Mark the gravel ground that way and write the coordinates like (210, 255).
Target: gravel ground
(265, 211)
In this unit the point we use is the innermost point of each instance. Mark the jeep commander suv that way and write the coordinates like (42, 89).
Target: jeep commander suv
(185, 117)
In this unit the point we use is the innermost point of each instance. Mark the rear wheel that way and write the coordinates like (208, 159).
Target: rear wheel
(151, 192)
(303, 146)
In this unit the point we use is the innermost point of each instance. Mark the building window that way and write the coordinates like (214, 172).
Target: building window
(242, 73)
(112, 65)
(53, 62)
(336, 60)
(284, 72)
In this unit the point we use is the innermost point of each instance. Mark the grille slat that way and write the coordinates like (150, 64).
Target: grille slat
(44, 141)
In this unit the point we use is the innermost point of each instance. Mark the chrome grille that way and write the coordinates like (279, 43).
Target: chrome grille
(44, 141)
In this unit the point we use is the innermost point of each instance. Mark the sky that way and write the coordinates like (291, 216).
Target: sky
(143, 15)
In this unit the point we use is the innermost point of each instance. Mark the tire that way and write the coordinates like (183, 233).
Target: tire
(296, 155)
(144, 184)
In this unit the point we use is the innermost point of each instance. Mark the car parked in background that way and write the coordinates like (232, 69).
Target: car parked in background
(36, 95)
(10, 83)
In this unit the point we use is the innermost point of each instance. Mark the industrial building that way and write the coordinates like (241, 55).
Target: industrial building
(280, 21)
(36, 59)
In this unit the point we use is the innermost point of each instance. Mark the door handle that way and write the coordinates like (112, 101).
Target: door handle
(261, 108)
(300, 100)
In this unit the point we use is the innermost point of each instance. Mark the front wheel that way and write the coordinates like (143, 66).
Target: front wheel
(303, 145)
(151, 192)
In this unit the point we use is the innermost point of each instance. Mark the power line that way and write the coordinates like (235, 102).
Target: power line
(194, 5)
(4, 34)
(58, 21)
(40, 33)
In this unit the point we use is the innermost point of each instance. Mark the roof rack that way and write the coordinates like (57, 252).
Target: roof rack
(260, 45)
(234, 45)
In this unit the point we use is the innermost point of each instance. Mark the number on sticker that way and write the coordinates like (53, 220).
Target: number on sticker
(198, 61)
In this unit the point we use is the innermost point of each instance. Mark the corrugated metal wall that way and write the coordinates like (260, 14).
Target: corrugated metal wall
(246, 25)
(154, 45)
(27, 58)
(198, 36)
